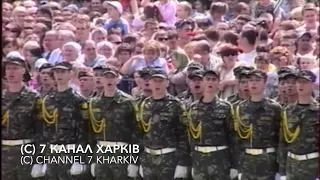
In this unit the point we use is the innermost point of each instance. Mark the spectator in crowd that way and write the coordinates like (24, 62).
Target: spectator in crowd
(105, 48)
(247, 43)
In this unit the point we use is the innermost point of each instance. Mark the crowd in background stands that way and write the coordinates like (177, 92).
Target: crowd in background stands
(132, 34)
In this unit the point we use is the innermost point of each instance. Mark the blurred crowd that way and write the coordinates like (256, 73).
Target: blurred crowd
(170, 34)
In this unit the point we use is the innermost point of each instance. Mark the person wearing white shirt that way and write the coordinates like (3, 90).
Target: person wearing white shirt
(64, 36)
(309, 13)
(247, 43)
(90, 58)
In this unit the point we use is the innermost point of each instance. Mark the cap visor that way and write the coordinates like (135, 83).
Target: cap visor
(302, 77)
(13, 62)
(193, 68)
(159, 76)
(256, 75)
(288, 75)
(211, 73)
(195, 76)
(110, 72)
(60, 67)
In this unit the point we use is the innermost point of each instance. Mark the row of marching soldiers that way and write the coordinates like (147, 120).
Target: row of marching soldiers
(193, 136)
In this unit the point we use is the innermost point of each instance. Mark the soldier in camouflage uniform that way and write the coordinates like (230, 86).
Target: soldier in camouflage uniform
(257, 123)
(194, 92)
(211, 129)
(97, 71)
(165, 139)
(281, 98)
(299, 150)
(241, 74)
(46, 79)
(113, 122)
(86, 79)
(195, 89)
(145, 75)
(19, 108)
(290, 85)
(64, 115)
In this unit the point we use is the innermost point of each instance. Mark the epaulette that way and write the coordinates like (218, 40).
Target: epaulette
(126, 96)
(225, 101)
(273, 101)
(242, 101)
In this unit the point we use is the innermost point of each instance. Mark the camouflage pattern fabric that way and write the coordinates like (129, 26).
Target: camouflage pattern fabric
(281, 101)
(158, 167)
(306, 118)
(167, 130)
(262, 166)
(238, 151)
(186, 98)
(235, 98)
(119, 114)
(121, 126)
(137, 102)
(211, 166)
(11, 168)
(69, 128)
(44, 93)
(216, 123)
(265, 118)
(20, 107)
(307, 169)
(112, 171)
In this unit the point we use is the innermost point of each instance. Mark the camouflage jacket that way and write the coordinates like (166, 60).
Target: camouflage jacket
(20, 114)
(44, 93)
(234, 99)
(70, 126)
(186, 98)
(215, 119)
(166, 126)
(264, 117)
(118, 114)
(306, 118)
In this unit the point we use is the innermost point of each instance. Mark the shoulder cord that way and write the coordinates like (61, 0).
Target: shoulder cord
(289, 136)
(97, 125)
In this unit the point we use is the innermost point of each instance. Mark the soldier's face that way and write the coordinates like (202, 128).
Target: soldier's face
(110, 81)
(86, 83)
(62, 76)
(210, 83)
(243, 85)
(290, 84)
(282, 87)
(145, 83)
(158, 85)
(45, 76)
(14, 73)
(97, 79)
(195, 85)
(304, 87)
(256, 85)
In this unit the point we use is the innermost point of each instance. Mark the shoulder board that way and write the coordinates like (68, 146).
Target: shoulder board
(273, 101)
(125, 95)
(242, 102)
(225, 102)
